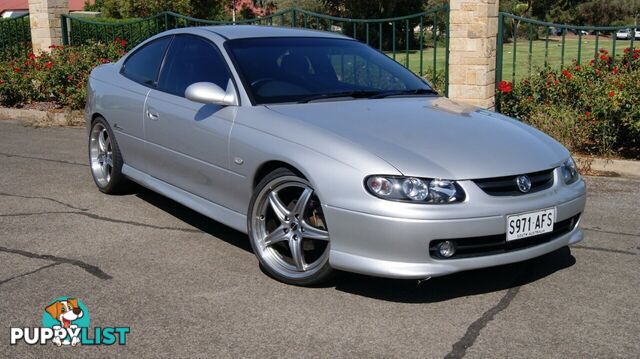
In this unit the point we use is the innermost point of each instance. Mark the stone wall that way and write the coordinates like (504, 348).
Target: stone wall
(472, 45)
(44, 16)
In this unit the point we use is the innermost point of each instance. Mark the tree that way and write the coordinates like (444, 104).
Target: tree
(135, 8)
(208, 9)
(249, 9)
(603, 12)
(310, 5)
(373, 8)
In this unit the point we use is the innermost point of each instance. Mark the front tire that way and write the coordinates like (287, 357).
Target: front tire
(105, 159)
(288, 231)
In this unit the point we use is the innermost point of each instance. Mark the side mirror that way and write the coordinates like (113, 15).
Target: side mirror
(210, 93)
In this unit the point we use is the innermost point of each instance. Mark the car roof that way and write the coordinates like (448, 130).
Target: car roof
(232, 32)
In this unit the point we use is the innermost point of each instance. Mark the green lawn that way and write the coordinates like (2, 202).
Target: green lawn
(522, 67)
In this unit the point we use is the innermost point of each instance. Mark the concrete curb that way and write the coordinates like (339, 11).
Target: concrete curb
(38, 118)
(624, 168)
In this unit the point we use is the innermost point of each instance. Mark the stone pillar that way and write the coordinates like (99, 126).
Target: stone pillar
(44, 16)
(472, 56)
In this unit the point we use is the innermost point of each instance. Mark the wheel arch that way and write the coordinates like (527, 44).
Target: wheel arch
(270, 166)
(94, 116)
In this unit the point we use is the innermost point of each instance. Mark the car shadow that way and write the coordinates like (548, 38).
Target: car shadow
(195, 219)
(207, 111)
(473, 282)
(437, 289)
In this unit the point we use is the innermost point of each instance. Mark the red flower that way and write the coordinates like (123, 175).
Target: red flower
(626, 51)
(17, 70)
(604, 57)
(31, 56)
(635, 55)
(48, 64)
(598, 72)
(1, 82)
(121, 42)
(556, 82)
(604, 51)
(587, 114)
(591, 62)
(615, 70)
(505, 86)
(567, 74)
(578, 68)
(612, 93)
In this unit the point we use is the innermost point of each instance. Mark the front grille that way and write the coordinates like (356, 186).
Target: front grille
(497, 244)
(507, 186)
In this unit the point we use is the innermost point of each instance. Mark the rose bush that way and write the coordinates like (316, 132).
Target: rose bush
(591, 109)
(59, 76)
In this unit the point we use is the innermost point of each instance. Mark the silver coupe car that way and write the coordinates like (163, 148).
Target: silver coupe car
(328, 154)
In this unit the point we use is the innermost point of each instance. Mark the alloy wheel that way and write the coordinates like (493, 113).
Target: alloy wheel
(101, 154)
(289, 229)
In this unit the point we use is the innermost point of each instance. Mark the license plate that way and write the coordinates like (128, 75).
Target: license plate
(530, 224)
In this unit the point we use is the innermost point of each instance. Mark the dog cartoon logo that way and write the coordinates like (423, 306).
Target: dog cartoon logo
(68, 314)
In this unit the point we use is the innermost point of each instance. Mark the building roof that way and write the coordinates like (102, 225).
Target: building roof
(23, 5)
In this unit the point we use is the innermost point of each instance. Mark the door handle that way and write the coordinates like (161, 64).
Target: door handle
(153, 115)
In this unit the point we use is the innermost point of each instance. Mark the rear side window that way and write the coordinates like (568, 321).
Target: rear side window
(143, 65)
(190, 60)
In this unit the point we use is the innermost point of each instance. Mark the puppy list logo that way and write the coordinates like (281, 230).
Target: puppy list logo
(65, 321)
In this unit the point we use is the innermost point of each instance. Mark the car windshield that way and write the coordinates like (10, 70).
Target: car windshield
(304, 69)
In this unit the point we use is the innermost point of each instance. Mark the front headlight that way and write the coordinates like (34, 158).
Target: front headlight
(569, 171)
(413, 189)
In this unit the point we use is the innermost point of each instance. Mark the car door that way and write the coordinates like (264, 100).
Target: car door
(189, 140)
(126, 102)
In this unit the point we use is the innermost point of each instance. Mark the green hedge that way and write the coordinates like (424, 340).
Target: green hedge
(59, 77)
(591, 109)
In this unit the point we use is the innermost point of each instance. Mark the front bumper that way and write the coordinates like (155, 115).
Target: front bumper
(386, 246)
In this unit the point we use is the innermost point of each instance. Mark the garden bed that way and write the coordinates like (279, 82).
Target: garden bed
(58, 78)
(591, 108)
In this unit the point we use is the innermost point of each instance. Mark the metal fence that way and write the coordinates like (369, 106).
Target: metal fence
(15, 36)
(524, 45)
(420, 41)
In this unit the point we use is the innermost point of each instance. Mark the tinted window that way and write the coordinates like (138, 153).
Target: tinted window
(357, 71)
(143, 65)
(277, 70)
(192, 60)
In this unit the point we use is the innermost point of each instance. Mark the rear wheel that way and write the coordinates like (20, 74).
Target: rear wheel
(288, 231)
(105, 159)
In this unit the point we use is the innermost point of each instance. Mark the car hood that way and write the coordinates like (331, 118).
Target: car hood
(433, 137)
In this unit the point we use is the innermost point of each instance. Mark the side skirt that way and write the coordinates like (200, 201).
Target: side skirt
(219, 213)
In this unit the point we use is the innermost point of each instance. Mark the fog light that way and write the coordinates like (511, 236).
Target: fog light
(446, 249)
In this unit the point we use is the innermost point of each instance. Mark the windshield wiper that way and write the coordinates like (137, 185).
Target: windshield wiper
(354, 94)
(405, 92)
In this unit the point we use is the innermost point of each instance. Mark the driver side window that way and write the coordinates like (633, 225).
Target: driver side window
(190, 60)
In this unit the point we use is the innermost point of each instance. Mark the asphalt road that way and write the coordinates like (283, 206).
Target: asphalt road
(188, 286)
